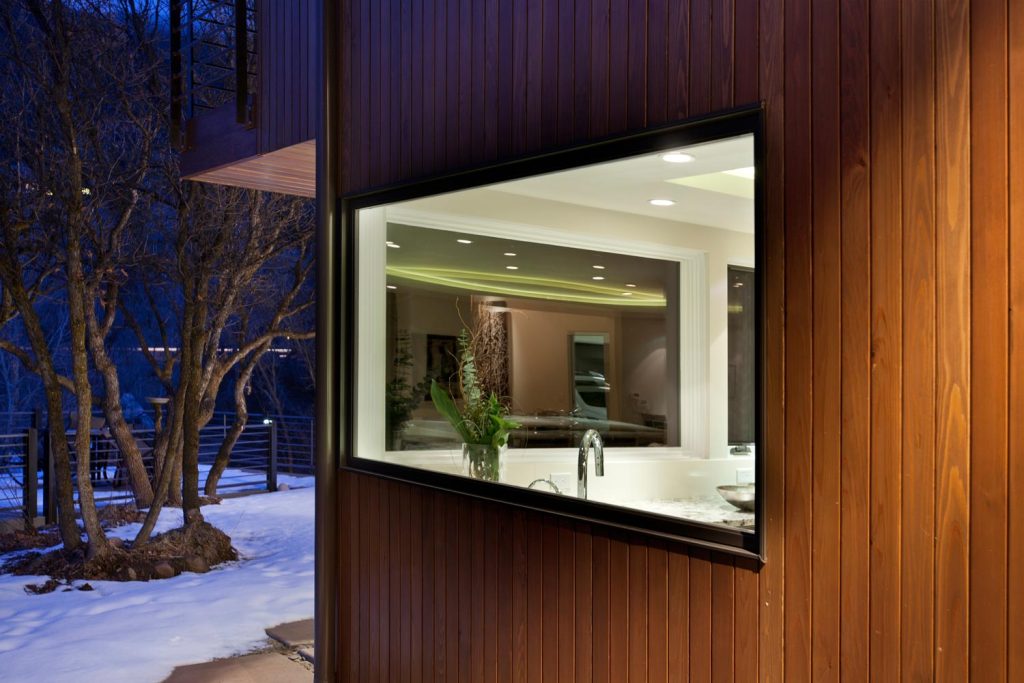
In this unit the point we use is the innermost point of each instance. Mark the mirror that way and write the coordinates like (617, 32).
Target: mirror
(519, 314)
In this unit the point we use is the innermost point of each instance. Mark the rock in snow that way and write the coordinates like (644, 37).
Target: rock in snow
(196, 564)
(163, 570)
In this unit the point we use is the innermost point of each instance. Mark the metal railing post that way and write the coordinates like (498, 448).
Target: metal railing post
(31, 487)
(241, 63)
(49, 481)
(272, 458)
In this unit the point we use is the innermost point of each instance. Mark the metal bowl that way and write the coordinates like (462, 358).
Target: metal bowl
(739, 495)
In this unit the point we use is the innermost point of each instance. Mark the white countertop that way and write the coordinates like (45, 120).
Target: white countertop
(709, 509)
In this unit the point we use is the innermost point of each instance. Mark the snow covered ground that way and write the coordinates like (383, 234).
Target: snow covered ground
(138, 632)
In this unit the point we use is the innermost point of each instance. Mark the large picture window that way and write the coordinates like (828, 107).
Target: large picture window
(578, 333)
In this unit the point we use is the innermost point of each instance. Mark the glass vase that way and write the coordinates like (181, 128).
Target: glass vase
(483, 461)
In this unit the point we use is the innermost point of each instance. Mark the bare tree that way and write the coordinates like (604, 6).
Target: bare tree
(95, 220)
(90, 85)
(233, 250)
(25, 272)
(28, 261)
(295, 299)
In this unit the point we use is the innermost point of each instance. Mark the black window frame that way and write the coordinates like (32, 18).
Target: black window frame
(715, 126)
(731, 269)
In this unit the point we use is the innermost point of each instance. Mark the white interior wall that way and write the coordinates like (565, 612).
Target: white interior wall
(541, 373)
(644, 364)
(371, 323)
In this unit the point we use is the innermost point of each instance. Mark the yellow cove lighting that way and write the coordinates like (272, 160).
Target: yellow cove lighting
(511, 284)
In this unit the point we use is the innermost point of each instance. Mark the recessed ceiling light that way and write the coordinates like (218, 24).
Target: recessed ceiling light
(393, 245)
(747, 172)
(661, 202)
(511, 267)
(599, 267)
(597, 277)
(510, 253)
(464, 241)
(627, 294)
(392, 287)
(677, 157)
(630, 284)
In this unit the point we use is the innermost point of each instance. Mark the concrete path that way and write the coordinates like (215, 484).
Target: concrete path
(265, 667)
(294, 634)
(281, 665)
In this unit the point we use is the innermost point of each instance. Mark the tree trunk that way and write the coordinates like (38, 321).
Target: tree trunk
(86, 498)
(166, 438)
(190, 456)
(125, 440)
(78, 293)
(161, 443)
(174, 496)
(153, 514)
(83, 393)
(191, 389)
(163, 484)
(69, 532)
(13, 280)
(119, 427)
(166, 477)
(172, 457)
(224, 454)
(238, 426)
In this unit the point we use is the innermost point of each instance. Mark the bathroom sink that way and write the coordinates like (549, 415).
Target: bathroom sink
(739, 495)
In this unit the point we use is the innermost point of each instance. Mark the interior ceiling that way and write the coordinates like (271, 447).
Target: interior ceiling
(704, 194)
(707, 191)
(435, 259)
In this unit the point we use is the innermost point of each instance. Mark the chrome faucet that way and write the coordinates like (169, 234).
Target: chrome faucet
(552, 485)
(590, 438)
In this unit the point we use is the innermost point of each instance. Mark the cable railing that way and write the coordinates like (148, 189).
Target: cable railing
(27, 482)
(213, 59)
(295, 439)
(17, 473)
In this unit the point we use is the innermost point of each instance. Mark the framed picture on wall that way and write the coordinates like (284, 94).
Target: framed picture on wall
(443, 363)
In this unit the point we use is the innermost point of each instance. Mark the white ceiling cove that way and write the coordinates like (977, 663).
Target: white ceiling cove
(704, 194)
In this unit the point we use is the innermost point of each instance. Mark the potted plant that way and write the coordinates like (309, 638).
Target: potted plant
(482, 421)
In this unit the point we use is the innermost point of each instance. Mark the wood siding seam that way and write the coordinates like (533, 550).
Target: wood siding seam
(826, 327)
(772, 578)
(887, 362)
(1015, 254)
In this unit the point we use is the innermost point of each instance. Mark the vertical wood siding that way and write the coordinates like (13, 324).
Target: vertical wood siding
(895, 370)
(286, 46)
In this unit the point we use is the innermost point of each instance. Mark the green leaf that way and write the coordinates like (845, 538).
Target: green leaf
(446, 406)
(501, 426)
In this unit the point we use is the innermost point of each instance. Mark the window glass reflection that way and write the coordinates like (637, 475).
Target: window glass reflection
(563, 352)
(611, 305)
